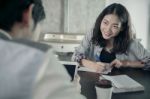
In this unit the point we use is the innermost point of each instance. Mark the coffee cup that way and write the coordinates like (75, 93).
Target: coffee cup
(103, 89)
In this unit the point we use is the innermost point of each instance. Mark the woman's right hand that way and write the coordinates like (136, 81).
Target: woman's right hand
(97, 66)
(101, 66)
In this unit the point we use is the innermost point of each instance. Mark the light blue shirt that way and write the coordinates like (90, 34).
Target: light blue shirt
(27, 72)
(19, 66)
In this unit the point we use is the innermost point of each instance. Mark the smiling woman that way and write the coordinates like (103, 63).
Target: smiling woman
(111, 34)
(110, 26)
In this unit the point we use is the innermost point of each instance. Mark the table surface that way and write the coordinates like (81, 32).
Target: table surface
(88, 79)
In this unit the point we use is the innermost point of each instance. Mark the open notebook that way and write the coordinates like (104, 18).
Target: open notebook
(123, 83)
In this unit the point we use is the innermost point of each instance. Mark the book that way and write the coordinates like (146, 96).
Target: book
(123, 83)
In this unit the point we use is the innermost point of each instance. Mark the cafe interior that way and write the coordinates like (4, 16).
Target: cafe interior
(65, 25)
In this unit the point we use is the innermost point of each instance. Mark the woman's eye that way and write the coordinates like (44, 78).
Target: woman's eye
(105, 23)
(115, 27)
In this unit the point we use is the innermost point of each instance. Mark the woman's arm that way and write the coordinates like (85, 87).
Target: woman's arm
(135, 64)
(125, 63)
(97, 66)
(81, 51)
(142, 54)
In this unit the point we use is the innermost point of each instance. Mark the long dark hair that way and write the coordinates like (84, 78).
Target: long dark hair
(122, 40)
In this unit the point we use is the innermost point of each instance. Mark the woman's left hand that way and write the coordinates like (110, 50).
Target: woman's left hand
(118, 63)
(125, 63)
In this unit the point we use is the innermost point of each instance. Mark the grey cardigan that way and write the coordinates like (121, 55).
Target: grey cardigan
(87, 50)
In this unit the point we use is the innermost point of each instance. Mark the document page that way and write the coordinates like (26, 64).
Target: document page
(92, 70)
(123, 83)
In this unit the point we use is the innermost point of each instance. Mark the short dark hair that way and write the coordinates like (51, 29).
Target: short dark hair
(11, 11)
(122, 40)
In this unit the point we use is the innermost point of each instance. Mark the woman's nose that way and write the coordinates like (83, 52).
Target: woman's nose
(108, 28)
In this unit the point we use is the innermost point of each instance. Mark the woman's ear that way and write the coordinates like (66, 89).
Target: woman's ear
(27, 15)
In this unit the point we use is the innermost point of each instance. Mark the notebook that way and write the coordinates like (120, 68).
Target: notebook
(123, 83)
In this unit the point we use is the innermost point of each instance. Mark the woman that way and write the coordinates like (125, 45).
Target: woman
(111, 43)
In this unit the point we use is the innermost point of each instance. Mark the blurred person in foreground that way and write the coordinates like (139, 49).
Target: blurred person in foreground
(29, 70)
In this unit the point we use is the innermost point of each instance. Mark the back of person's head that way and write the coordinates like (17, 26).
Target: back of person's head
(11, 11)
(121, 41)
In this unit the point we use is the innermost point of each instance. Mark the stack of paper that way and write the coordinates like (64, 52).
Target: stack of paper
(123, 83)
(92, 70)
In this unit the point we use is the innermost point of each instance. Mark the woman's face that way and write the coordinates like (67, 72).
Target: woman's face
(110, 26)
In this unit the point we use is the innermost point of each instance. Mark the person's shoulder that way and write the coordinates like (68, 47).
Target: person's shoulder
(134, 45)
(89, 33)
(19, 54)
(32, 44)
(12, 46)
(18, 63)
(134, 42)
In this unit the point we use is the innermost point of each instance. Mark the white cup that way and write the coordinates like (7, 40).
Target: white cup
(104, 89)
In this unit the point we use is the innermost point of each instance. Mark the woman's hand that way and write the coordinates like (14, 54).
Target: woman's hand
(101, 66)
(117, 63)
(97, 66)
(125, 63)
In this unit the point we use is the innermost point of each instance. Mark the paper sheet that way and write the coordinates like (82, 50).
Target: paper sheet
(123, 83)
(108, 70)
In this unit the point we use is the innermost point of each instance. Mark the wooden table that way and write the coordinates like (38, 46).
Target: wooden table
(88, 79)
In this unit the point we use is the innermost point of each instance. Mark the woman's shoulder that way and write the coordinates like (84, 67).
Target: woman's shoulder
(89, 33)
(135, 44)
